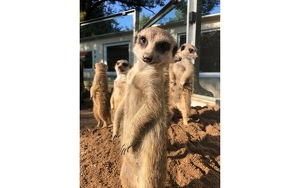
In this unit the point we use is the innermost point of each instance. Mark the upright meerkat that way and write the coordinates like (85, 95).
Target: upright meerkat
(182, 79)
(122, 67)
(100, 95)
(144, 110)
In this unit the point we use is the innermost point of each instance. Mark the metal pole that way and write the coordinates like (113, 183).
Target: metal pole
(136, 26)
(96, 20)
(187, 22)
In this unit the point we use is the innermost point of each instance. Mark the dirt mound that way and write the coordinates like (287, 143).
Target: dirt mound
(193, 151)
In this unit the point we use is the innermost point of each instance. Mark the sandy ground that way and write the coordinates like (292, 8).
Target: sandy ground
(193, 151)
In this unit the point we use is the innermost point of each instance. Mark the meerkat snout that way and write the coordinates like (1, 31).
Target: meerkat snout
(177, 58)
(147, 58)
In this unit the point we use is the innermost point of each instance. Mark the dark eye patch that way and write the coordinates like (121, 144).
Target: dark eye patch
(125, 65)
(162, 46)
(182, 47)
(191, 50)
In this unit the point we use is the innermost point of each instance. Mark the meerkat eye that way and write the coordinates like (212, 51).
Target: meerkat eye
(143, 40)
(125, 64)
(163, 46)
(191, 50)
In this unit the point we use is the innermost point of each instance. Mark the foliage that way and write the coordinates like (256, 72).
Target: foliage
(143, 19)
(92, 8)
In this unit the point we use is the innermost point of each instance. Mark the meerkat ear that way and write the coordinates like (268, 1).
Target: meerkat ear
(134, 40)
(182, 47)
(135, 36)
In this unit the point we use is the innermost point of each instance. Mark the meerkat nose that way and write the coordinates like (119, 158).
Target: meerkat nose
(147, 59)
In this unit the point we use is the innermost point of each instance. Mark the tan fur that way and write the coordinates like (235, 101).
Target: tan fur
(99, 94)
(122, 67)
(168, 95)
(144, 139)
(182, 79)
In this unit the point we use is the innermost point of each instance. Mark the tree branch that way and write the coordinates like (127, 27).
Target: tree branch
(148, 9)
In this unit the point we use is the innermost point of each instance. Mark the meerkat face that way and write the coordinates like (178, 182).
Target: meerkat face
(122, 66)
(100, 67)
(187, 51)
(154, 46)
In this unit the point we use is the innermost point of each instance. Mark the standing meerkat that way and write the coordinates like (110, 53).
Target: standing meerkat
(144, 110)
(100, 95)
(122, 67)
(182, 79)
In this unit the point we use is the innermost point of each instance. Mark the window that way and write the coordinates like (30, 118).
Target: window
(210, 50)
(181, 39)
(87, 58)
(115, 52)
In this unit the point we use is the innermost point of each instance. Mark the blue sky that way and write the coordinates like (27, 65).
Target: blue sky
(127, 21)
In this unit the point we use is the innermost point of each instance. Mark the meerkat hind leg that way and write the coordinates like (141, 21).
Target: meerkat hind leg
(185, 110)
(99, 123)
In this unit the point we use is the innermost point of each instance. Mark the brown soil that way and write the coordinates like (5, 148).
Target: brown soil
(193, 151)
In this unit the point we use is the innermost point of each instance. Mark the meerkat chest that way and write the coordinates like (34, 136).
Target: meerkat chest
(137, 83)
(179, 69)
(140, 83)
(120, 81)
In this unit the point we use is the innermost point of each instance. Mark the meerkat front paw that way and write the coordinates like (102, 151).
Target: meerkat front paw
(125, 148)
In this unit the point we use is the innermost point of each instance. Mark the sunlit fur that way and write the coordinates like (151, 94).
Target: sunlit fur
(122, 67)
(100, 96)
(144, 139)
(182, 80)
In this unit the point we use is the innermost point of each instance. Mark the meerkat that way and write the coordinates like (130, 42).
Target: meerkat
(182, 79)
(100, 95)
(143, 110)
(122, 67)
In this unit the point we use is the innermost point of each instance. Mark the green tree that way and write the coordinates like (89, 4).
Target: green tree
(143, 19)
(88, 11)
